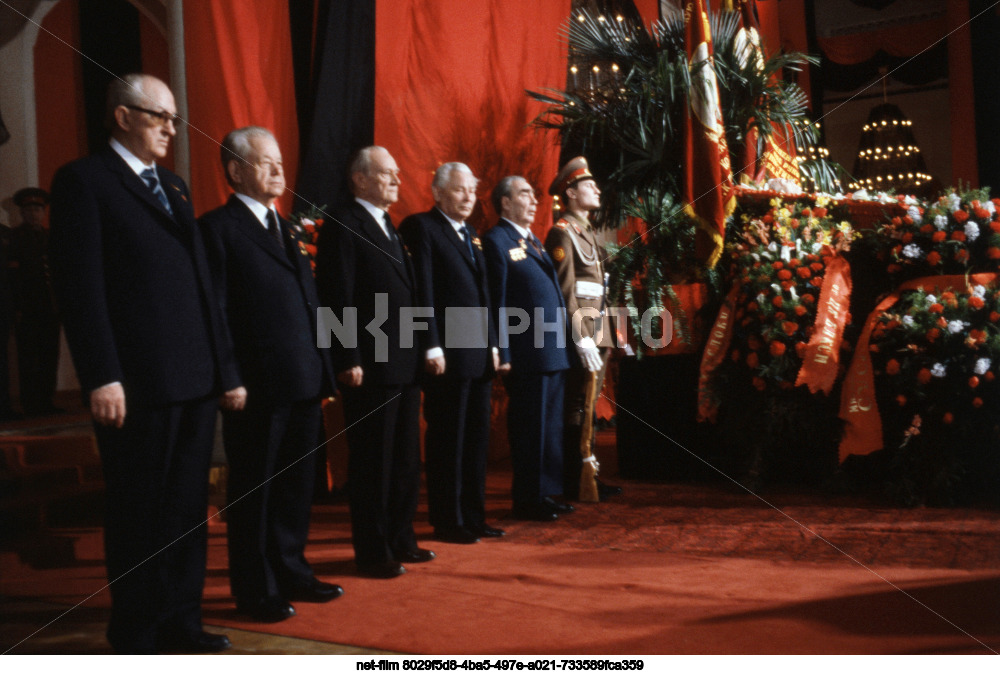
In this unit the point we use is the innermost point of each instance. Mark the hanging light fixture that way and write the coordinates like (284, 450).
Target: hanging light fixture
(888, 155)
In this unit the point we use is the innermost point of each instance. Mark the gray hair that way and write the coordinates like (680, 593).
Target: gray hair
(503, 189)
(362, 160)
(126, 90)
(442, 176)
(236, 145)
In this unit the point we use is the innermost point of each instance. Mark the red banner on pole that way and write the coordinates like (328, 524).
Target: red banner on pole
(708, 179)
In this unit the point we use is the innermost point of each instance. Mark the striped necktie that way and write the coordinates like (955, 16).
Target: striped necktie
(149, 176)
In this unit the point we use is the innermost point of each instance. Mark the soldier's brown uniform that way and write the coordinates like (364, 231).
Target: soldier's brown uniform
(579, 259)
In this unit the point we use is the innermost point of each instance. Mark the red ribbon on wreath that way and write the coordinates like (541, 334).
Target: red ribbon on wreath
(822, 356)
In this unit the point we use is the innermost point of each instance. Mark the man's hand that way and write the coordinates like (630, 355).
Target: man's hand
(503, 369)
(234, 400)
(107, 405)
(434, 365)
(351, 377)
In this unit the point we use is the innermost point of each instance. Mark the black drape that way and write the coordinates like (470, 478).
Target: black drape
(924, 68)
(111, 48)
(338, 100)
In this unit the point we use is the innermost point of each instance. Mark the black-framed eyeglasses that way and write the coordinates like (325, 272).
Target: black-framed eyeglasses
(163, 117)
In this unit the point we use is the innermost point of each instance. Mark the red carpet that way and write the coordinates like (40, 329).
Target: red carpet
(665, 569)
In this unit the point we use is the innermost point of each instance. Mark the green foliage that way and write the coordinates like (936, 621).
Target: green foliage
(630, 129)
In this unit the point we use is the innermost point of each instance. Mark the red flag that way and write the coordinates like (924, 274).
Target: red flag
(708, 179)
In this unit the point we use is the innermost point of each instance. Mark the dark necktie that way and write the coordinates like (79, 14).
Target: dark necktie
(149, 176)
(390, 232)
(467, 235)
(274, 229)
(534, 244)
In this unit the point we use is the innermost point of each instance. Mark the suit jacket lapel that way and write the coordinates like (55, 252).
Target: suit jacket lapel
(138, 187)
(251, 227)
(373, 231)
(449, 233)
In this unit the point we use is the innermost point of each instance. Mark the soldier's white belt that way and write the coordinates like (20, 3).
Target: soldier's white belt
(589, 290)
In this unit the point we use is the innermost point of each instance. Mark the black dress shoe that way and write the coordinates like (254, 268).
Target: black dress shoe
(193, 642)
(415, 556)
(486, 531)
(311, 590)
(381, 570)
(556, 506)
(605, 491)
(535, 512)
(266, 610)
(455, 535)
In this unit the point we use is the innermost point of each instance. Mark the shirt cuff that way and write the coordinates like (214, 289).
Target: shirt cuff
(436, 352)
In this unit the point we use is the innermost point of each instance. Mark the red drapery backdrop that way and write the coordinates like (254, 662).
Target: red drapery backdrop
(791, 18)
(649, 10)
(63, 136)
(450, 86)
(239, 72)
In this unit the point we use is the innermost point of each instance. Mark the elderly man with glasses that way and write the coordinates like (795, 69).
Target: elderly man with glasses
(132, 279)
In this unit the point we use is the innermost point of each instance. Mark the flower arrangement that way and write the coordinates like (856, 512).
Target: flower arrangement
(930, 353)
(305, 229)
(777, 341)
(946, 236)
(936, 358)
(779, 262)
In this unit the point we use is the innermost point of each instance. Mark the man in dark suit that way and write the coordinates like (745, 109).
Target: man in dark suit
(147, 339)
(533, 355)
(363, 270)
(461, 359)
(265, 286)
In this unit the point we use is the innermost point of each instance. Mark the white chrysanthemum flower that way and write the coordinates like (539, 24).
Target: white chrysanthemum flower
(940, 221)
(979, 291)
(755, 256)
(912, 251)
(910, 200)
(762, 299)
(990, 208)
(786, 253)
(914, 214)
(954, 201)
(773, 246)
(971, 231)
(982, 366)
(931, 299)
(817, 246)
(955, 327)
(862, 195)
(795, 295)
(938, 370)
(908, 321)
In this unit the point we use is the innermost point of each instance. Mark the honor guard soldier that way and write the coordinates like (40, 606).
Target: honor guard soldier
(578, 257)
